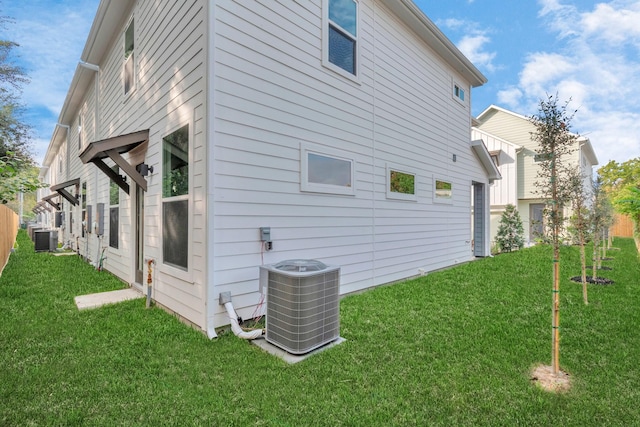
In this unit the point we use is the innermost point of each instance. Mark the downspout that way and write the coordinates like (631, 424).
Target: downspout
(68, 128)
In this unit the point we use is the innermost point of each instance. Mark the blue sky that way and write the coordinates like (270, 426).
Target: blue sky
(585, 50)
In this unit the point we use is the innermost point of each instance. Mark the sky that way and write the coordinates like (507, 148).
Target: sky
(584, 51)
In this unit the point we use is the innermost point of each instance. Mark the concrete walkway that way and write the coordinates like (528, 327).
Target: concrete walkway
(84, 302)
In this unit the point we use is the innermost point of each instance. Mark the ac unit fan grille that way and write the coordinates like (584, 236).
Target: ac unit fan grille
(303, 313)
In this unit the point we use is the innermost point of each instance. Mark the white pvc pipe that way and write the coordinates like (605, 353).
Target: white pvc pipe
(235, 327)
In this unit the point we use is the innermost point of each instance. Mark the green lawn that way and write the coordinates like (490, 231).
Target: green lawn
(451, 348)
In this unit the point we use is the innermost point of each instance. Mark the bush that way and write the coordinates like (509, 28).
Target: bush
(510, 235)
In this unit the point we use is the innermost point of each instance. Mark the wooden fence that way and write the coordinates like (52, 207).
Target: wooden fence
(8, 232)
(622, 226)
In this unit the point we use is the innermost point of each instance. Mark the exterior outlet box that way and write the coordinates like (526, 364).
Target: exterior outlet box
(265, 234)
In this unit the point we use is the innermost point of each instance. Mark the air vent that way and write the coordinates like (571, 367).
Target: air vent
(303, 305)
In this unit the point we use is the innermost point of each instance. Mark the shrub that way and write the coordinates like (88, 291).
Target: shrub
(510, 235)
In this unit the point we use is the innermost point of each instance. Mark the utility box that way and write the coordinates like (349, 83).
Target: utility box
(303, 305)
(45, 240)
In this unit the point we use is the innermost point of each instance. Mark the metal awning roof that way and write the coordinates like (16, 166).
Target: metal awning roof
(113, 148)
(49, 200)
(61, 189)
(484, 156)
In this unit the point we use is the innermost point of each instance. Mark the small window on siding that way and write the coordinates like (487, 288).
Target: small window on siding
(443, 191)
(341, 37)
(175, 203)
(401, 184)
(459, 93)
(129, 58)
(326, 172)
(83, 195)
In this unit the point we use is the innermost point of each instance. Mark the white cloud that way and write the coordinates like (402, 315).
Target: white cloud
(51, 38)
(473, 44)
(596, 66)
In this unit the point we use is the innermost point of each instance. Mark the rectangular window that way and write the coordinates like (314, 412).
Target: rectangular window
(541, 157)
(83, 198)
(401, 184)
(129, 58)
(79, 133)
(443, 190)
(326, 173)
(341, 38)
(114, 211)
(175, 193)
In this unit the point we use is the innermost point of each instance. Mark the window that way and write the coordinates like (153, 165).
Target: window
(541, 157)
(129, 58)
(341, 35)
(114, 211)
(326, 172)
(175, 193)
(401, 184)
(443, 191)
(83, 197)
(459, 93)
(79, 133)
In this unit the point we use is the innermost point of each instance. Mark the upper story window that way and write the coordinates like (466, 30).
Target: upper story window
(341, 36)
(129, 47)
(459, 93)
(79, 133)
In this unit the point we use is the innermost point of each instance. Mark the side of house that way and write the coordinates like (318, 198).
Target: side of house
(344, 126)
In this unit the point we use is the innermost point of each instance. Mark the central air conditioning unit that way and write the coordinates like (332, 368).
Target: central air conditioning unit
(303, 304)
(45, 240)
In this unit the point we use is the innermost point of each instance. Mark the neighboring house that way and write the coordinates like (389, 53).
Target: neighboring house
(342, 125)
(508, 137)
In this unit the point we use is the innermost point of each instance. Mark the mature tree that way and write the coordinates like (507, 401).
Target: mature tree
(510, 235)
(580, 220)
(555, 143)
(15, 157)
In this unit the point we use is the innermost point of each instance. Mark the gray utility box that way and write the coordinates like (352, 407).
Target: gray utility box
(303, 304)
(45, 240)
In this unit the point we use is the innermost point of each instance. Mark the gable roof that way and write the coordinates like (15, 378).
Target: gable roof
(584, 142)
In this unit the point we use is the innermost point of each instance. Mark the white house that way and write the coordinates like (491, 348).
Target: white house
(507, 136)
(342, 125)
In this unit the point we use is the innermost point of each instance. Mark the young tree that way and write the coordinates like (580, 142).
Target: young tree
(580, 220)
(510, 235)
(555, 142)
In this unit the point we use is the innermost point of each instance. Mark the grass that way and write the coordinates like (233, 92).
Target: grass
(451, 348)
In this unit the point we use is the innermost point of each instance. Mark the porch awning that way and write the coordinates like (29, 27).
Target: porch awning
(113, 148)
(482, 153)
(61, 190)
(49, 200)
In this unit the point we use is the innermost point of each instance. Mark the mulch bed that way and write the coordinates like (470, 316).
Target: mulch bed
(598, 280)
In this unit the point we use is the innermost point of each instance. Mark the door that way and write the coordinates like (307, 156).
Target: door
(139, 246)
(479, 220)
(536, 221)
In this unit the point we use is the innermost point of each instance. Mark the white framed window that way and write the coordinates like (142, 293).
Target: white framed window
(340, 37)
(129, 59)
(324, 170)
(459, 92)
(442, 191)
(175, 199)
(80, 132)
(401, 183)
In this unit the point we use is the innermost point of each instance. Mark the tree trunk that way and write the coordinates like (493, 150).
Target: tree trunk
(583, 262)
